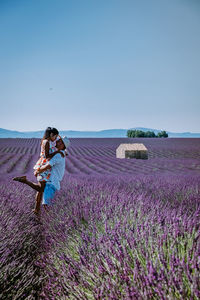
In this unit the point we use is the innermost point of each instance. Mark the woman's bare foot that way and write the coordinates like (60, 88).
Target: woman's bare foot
(20, 178)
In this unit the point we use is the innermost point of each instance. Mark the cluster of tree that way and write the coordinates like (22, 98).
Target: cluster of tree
(146, 134)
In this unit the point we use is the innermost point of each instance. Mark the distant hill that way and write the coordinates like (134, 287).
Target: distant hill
(109, 133)
(4, 133)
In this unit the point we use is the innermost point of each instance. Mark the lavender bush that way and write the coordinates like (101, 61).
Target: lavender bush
(119, 229)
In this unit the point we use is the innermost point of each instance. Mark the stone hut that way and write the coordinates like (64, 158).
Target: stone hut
(138, 151)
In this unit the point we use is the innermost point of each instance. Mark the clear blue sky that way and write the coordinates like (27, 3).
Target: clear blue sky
(92, 65)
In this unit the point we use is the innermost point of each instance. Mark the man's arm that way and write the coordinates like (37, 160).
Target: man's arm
(42, 169)
(55, 160)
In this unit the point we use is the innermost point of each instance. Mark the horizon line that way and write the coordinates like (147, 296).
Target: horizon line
(103, 130)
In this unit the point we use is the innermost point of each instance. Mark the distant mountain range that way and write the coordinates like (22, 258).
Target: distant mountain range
(110, 133)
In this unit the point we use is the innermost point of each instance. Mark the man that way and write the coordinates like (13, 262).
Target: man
(57, 166)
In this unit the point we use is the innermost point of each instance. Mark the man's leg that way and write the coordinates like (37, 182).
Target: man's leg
(46, 207)
(49, 193)
(38, 198)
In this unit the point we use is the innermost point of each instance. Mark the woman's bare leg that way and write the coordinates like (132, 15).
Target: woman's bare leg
(36, 186)
(39, 187)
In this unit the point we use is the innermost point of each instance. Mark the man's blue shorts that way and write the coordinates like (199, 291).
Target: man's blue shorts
(49, 193)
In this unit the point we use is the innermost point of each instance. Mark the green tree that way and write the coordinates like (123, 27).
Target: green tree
(162, 134)
(139, 133)
(150, 134)
(130, 133)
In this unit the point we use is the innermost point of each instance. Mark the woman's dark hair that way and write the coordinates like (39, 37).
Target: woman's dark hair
(48, 131)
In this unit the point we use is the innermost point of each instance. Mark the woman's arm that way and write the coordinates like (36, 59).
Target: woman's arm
(46, 149)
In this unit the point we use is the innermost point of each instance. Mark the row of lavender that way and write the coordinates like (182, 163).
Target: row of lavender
(21, 244)
(19, 164)
(17, 156)
(106, 238)
(165, 148)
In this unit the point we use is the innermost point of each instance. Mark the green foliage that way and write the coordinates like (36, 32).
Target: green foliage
(148, 134)
(162, 134)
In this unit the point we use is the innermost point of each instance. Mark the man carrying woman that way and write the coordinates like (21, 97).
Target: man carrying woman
(53, 169)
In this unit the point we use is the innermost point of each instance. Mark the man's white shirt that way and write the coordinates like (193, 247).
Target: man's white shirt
(57, 163)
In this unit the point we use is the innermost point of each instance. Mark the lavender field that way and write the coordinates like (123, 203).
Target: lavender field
(119, 228)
